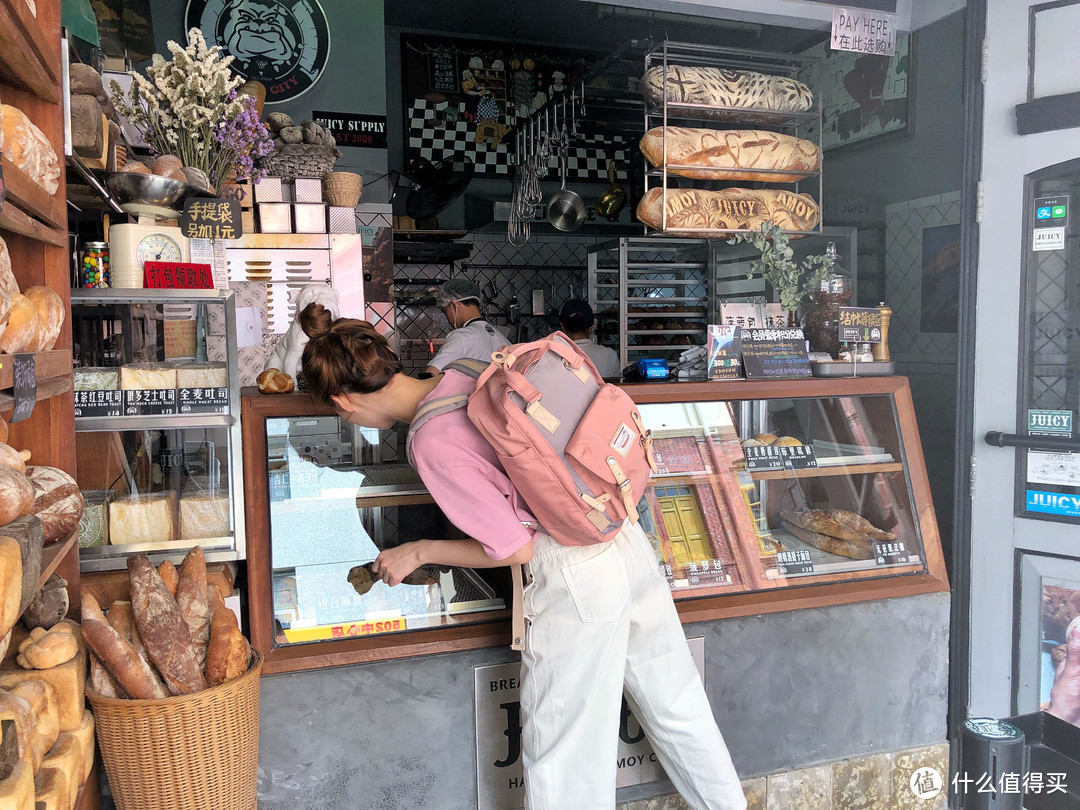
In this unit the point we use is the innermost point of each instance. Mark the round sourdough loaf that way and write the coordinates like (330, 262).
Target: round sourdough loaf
(16, 495)
(50, 316)
(21, 330)
(58, 503)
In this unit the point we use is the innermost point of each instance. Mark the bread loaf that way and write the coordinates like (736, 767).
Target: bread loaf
(5, 308)
(731, 154)
(127, 668)
(16, 495)
(122, 619)
(17, 711)
(11, 580)
(50, 649)
(274, 381)
(201, 375)
(143, 519)
(67, 680)
(701, 213)
(97, 379)
(856, 523)
(21, 330)
(228, 653)
(193, 602)
(94, 523)
(204, 516)
(146, 376)
(50, 317)
(42, 701)
(26, 531)
(85, 735)
(7, 278)
(102, 682)
(58, 503)
(17, 791)
(162, 629)
(27, 147)
(51, 789)
(66, 757)
(49, 605)
(15, 459)
(169, 575)
(854, 549)
(3, 429)
(741, 91)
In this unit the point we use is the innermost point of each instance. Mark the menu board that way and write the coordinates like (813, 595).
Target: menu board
(774, 354)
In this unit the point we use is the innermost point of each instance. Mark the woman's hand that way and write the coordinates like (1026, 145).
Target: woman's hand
(394, 564)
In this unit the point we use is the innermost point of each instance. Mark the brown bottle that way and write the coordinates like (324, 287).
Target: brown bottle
(881, 350)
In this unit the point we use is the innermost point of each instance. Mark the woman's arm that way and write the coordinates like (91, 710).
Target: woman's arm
(394, 564)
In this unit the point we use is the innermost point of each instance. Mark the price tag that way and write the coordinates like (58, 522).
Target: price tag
(766, 457)
(794, 562)
(800, 457)
(24, 377)
(892, 552)
(216, 218)
(98, 403)
(203, 400)
(150, 402)
(860, 325)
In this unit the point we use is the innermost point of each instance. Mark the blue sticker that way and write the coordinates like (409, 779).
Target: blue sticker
(1043, 212)
(1053, 503)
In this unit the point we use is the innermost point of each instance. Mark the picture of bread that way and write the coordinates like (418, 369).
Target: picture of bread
(701, 213)
(741, 92)
(731, 154)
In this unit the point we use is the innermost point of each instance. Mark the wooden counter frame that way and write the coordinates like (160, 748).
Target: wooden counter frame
(256, 408)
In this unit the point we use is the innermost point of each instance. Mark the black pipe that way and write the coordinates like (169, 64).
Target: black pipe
(1050, 444)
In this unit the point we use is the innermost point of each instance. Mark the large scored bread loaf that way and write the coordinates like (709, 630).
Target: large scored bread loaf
(698, 212)
(742, 91)
(731, 154)
(58, 503)
(21, 330)
(50, 317)
(7, 277)
(27, 147)
(16, 495)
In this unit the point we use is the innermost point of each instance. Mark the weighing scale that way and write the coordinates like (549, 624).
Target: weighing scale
(133, 244)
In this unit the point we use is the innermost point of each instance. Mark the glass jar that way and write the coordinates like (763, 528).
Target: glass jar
(822, 324)
(94, 265)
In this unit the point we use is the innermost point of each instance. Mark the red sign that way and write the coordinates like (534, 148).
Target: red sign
(178, 276)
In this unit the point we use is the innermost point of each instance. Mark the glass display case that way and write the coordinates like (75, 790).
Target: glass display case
(769, 496)
(157, 433)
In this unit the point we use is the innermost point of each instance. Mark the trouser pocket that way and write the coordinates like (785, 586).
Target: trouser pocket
(598, 586)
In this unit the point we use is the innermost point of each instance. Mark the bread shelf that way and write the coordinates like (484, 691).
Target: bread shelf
(47, 365)
(32, 198)
(826, 472)
(12, 219)
(52, 556)
(177, 421)
(24, 52)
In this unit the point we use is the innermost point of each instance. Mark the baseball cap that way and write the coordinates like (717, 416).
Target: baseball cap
(457, 289)
(576, 314)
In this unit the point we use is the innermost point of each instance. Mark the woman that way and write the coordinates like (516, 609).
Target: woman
(600, 617)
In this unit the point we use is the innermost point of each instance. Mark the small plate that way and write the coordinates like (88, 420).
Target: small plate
(839, 368)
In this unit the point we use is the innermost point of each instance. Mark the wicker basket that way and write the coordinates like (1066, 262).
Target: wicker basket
(177, 753)
(343, 188)
(293, 160)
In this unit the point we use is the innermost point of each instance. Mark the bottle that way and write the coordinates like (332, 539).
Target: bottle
(881, 350)
(821, 324)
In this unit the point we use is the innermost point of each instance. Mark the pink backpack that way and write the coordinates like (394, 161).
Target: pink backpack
(573, 446)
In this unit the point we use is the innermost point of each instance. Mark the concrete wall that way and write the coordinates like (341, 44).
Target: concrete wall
(788, 689)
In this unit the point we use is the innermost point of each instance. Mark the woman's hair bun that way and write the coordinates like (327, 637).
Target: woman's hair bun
(316, 320)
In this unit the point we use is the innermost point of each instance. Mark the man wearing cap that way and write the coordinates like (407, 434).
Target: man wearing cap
(472, 336)
(576, 317)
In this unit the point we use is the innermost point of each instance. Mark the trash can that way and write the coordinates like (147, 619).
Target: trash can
(992, 765)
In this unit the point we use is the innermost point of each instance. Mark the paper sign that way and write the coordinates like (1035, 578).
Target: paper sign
(799, 457)
(893, 552)
(1061, 469)
(1053, 503)
(211, 252)
(211, 219)
(1052, 212)
(725, 347)
(763, 457)
(178, 276)
(98, 403)
(1048, 239)
(863, 31)
(248, 327)
(24, 376)
(1049, 423)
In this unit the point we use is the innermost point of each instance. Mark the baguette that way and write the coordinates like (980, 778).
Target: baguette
(815, 520)
(162, 629)
(119, 658)
(853, 549)
(102, 682)
(191, 599)
(739, 90)
(122, 619)
(168, 574)
(228, 653)
(858, 523)
(701, 213)
(731, 154)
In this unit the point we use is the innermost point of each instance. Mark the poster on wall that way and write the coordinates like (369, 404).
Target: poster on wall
(940, 278)
(466, 98)
(284, 45)
(862, 96)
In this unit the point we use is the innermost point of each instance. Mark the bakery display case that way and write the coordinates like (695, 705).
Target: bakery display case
(157, 405)
(769, 496)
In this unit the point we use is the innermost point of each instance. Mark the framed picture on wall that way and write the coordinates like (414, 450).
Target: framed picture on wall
(862, 96)
(1045, 662)
(940, 292)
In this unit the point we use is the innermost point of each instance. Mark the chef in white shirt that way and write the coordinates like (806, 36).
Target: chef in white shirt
(471, 335)
(576, 317)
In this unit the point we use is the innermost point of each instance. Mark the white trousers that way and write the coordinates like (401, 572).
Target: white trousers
(600, 619)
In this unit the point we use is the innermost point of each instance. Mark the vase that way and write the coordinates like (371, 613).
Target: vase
(822, 324)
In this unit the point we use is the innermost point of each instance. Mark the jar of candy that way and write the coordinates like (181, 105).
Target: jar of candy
(94, 265)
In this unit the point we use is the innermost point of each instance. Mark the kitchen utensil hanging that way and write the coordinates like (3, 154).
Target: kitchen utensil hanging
(566, 210)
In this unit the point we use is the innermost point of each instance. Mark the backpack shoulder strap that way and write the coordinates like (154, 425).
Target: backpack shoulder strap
(469, 366)
(441, 405)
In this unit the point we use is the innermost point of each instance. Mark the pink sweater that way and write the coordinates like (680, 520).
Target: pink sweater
(464, 476)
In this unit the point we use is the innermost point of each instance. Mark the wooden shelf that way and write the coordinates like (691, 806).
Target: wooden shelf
(53, 363)
(32, 198)
(826, 472)
(14, 220)
(25, 52)
(52, 556)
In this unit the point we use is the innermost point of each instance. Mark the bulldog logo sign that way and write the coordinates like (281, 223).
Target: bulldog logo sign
(282, 43)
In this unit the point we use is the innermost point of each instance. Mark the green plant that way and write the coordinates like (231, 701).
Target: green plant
(792, 281)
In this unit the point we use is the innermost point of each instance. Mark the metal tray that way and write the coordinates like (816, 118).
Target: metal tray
(839, 369)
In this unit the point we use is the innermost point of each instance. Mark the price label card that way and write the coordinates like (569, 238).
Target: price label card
(860, 325)
(800, 457)
(24, 376)
(203, 400)
(98, 403)
(762, 458)
(150, 402)
(794, 562)
(893, 552)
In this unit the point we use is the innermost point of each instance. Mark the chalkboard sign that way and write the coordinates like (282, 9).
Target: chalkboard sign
(211, 219)
(24, 376)
(203, 400)
(774, 354)
(860, 325)
(442, 70)
(765, 457)
(98, 403)
(178, 276)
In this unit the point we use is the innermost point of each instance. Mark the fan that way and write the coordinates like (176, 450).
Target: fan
(432, 186)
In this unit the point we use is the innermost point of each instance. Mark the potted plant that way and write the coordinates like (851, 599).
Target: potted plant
(793, 281)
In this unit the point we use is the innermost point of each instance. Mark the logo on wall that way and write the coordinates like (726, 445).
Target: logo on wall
(282, 43)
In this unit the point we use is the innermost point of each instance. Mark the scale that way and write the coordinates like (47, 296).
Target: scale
(133, 244)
